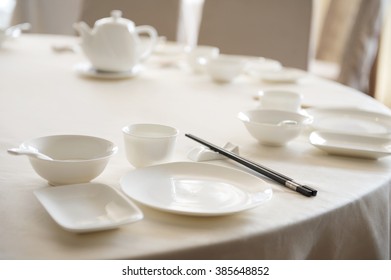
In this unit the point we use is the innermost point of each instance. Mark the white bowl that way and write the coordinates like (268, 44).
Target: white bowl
(76, 158)
(225, 68)
(199, 56)
(274, 127)
(280, 99)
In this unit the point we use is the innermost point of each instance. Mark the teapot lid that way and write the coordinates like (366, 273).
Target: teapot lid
(115, 18)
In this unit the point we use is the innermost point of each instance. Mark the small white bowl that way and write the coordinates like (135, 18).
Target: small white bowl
(76, 158)
(280, 99)
(225, 68)
(199, 56)
(274, 127)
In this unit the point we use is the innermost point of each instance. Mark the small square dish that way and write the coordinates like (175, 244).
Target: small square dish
(362, 146)
(88, 207)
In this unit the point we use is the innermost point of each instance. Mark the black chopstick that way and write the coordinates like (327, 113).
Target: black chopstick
(278, 177)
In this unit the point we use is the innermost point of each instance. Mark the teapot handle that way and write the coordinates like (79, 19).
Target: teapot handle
(153, 37)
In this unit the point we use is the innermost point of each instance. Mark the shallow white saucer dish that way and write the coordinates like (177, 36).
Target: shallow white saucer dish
(370, 147)
(350, 120)
(88, 207)
(256, 66)
(169, 48)
(196, 189)
(285, 75)
(87, 70)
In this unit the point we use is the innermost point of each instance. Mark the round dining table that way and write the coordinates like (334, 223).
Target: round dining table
(43, 92)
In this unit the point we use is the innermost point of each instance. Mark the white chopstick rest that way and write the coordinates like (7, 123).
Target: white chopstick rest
(202, 153)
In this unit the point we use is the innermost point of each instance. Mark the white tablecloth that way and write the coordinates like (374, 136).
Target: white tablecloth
(40, 94)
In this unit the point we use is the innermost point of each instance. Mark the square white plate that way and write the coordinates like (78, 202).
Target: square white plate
(88, 207)
(352, 145)
(350, 121)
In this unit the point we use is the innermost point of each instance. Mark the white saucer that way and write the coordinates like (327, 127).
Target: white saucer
(85, 69)
(351, 145)
(197, 189)
(285, 75)
(256, 66)
(88, 207)
(169, 49)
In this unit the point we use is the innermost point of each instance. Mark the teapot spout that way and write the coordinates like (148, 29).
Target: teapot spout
(83, 29)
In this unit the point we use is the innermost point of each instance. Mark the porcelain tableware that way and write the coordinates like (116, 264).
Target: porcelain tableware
(260, 65)
(199, 56)
(74, 158)
(225, 68)
(114, 44)
(13, 31)
(274, 127)
(279, 99)
(149, 144)
(7, 8)
(28, 152)
(284, 75)
(88, 71)
(88, 207)
(197, 189)
(350, 120)
(335, 143)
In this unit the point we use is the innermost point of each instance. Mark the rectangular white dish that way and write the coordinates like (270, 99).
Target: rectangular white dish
(88, 207)
(362, 146)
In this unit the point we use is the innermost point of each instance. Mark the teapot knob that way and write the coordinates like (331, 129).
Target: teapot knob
(116, 14)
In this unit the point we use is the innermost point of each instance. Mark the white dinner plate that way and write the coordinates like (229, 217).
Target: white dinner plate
(351, 145)
(197, 189)
(87, 70)
(88, 207)
(351, 121)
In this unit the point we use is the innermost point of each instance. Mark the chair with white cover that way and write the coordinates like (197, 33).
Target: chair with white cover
(359, 57)
(163, 14)
(278, 29)
(349, 43)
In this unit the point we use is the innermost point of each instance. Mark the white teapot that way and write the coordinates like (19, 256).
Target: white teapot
(114, 44)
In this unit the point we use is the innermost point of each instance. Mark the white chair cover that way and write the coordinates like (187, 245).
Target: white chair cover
(278, 29)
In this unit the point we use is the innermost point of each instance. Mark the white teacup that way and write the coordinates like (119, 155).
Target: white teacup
(149, 144)
(199, 56)
(225, 68)
(284, 100)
